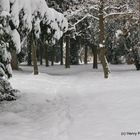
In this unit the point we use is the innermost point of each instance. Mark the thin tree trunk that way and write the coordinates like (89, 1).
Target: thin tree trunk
(34, 57)
(29, 61)
(102, 56)
(79, 47)
(86, 54)
(14, 61)
(41, 53)
(67, 59)
(46, 55)
(52, 55)
(61, 49)
(94, 51)
(139, 21)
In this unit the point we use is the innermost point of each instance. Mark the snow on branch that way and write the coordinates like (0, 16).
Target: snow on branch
(4, 5)
(5, 14)
(95, 7)
(117, 14)
(57, 22)
(87, 15)
(26, 15)
(79, 21)
(116, 7)
(16, 39)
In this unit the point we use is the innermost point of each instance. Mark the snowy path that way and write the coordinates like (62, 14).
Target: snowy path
(74, 104)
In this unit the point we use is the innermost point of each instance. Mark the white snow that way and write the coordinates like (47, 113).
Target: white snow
(37, 28)
(31, 13)
(4, 14)
(73, 104)
(4, 5)
(101, 45)
(57, 22)
(16, 39)
(118, 33)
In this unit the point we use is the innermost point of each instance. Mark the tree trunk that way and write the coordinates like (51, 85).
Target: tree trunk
(86, 54)
(46, 55)
(94, 51)
(34, 57)
(29, 61)
(102, 56)
(74, 58)
(67, 59)
(79, 47)
(139, 21)
(61, 49)
(41, 54)
(52, 55)
(14, 61)
(79, 44)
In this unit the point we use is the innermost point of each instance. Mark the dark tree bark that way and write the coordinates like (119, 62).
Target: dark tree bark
(74, 58)
(14, 61)
(67, 59)
(86, 54)
(94, 51)
(61, 49)
(139, 21)
(79, 44)
(52, 55)
(102, 51)
(29, 59)
(34, 57)
(46, 55)
(41, 53)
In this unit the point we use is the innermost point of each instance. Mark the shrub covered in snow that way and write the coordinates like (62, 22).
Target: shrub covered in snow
(6, 91)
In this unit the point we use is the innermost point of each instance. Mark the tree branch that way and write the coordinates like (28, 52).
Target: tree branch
(118, 14)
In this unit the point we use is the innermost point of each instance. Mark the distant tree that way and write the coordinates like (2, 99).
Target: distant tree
(116, 14)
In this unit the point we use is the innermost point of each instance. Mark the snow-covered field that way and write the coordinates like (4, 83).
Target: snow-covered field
(73, 104)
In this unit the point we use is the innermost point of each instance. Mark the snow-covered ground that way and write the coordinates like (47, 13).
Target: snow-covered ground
(73, 104)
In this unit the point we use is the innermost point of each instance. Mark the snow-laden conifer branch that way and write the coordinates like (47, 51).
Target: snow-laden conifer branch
(26, 15)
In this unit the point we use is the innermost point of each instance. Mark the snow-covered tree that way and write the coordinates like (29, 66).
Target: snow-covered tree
(18, 19)
(114, 13)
